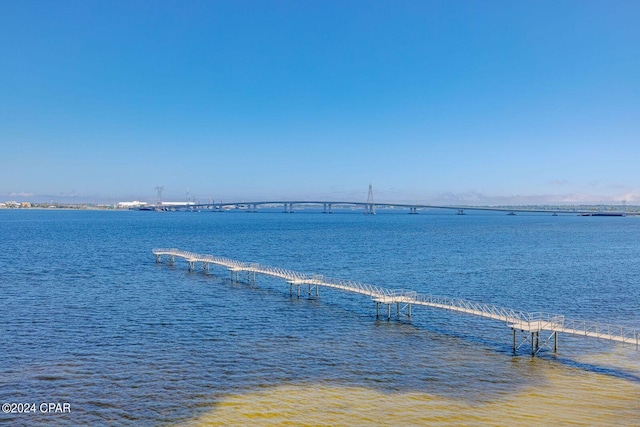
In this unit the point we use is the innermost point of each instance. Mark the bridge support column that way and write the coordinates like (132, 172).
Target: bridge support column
(158, 258)
(413, 210)
(205, 267)
(192, 265)
(370, 209)
(327, 208)
(172, 259)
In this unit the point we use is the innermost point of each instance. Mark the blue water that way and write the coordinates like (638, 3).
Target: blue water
(88, 317)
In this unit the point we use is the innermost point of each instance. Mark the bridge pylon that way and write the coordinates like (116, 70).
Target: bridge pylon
(370, 208)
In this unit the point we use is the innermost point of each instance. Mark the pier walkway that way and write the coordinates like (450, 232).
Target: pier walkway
(530, 324)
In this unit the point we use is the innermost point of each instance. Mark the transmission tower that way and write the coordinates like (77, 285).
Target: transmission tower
(159, 199)
(370, 208)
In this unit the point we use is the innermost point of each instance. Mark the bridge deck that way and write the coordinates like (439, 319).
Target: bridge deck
(516, 320)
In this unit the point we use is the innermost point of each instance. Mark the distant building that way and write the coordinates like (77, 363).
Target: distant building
(130, 205)
(177, 204)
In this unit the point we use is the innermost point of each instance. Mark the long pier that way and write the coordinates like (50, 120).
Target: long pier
(529, 324)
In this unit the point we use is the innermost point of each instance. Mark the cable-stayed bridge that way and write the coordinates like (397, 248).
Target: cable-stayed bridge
(290, 206)
(530, 324)
(369, 207)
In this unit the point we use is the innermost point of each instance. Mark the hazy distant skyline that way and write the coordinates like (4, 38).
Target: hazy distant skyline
(466, 102)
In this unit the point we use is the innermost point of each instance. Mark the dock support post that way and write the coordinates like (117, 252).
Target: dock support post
(389, 311)
(555, 342)
(409, 310)
(377, 306)
(533, 341)
(514, 340)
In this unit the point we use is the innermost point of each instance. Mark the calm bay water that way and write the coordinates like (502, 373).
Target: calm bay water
(88, 318)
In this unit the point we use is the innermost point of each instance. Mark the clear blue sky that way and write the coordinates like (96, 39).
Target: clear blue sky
(430, 101)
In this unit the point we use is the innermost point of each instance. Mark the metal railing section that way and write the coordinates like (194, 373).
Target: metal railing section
(484, 310)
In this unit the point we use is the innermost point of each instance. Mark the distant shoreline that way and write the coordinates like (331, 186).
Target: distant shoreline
(585, 210)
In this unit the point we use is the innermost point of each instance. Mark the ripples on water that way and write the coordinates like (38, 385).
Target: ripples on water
(89, 318)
